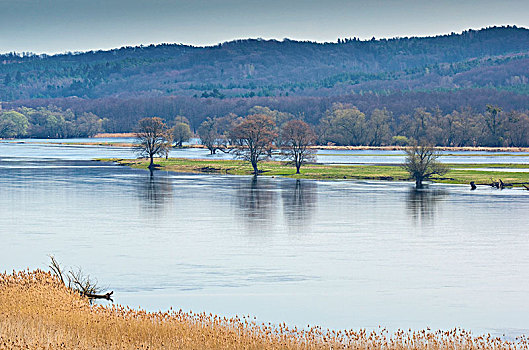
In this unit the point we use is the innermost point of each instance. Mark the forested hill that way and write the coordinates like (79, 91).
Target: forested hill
(273, 68)
(450, 71)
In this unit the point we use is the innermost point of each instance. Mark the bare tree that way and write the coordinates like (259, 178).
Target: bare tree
(210, 136)
(254, 136)
(154, 138)
(421, 163)
(517, 129)
(169, 141)
(378, 127)
(297, 137)
(494, 123)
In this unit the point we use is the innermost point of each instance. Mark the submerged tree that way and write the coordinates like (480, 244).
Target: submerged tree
(421, 163)
(254, 136)
(297, 137)
(154, 138)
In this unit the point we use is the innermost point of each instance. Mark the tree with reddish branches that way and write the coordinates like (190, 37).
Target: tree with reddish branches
(254, 137)
(297, 137)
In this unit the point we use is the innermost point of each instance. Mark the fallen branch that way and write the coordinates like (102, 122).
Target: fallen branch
(107, 296)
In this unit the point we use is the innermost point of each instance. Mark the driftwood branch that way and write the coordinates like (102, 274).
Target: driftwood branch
(107, 296)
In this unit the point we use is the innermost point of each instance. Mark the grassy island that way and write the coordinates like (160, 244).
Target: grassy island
(37, 311)
(459, 173)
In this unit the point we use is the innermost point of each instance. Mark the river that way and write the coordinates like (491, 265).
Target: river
(343, 254)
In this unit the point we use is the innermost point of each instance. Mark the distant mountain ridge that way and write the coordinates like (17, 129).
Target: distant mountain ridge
(496, 57)
(441, 74)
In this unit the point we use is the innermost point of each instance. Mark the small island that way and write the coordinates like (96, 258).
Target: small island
(457, 174)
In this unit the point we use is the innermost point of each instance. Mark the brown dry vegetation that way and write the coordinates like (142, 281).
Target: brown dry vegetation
(37, 311)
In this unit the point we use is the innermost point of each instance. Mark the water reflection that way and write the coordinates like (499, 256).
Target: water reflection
(257, 201)
(240, 242)
(155, 191)
(299, 201)
(423, 205)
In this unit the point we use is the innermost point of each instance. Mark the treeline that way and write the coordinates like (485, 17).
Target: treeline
(122, 115)
(346, 125)
(441, 74)
(340, 124)
(48, 122)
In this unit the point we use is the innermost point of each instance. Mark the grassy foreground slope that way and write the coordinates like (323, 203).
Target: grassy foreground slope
(37, 311)
(459, 173)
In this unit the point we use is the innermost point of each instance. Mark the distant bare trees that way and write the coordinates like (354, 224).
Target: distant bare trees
(344, 124)
(210, 136)
(494, 124)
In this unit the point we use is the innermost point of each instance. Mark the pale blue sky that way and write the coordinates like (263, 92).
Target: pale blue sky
(53, 26)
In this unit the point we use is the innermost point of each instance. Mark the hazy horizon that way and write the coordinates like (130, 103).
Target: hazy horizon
(57, 26)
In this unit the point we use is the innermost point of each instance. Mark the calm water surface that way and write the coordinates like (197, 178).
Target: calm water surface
(42, 147)
(346, 254)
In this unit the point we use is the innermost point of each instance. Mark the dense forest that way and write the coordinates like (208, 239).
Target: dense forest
(441, 74)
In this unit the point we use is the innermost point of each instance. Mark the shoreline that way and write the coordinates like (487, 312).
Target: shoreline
(37, 310)
(317, 147)
(361, 147)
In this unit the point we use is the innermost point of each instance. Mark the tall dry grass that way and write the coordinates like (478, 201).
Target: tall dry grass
(37, 311)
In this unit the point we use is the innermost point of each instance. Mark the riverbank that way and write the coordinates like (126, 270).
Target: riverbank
(37, 311)
(459, 173)
(319, 147)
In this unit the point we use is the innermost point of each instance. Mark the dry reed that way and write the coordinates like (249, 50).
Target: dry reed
(37, 311)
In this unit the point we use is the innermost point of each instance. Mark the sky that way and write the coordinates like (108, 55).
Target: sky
(56, 26)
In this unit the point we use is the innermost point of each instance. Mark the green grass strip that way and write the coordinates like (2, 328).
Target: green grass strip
(459, 174)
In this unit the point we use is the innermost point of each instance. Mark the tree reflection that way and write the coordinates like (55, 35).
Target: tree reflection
(423, 204)
(299, 201)
(257, 201)
(155, 192)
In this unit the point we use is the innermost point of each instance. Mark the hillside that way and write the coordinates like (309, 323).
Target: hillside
(497, 56)
(452, 71)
